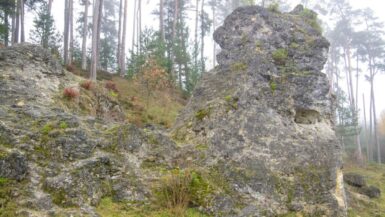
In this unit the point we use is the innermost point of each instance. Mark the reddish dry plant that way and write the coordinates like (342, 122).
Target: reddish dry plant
(70, 93)
(110, 85)
(87, 84)
(70, 68)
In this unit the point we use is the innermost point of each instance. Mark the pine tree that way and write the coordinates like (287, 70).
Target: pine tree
(44, 32)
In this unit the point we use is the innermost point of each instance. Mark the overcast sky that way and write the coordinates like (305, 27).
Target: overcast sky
(150, 20)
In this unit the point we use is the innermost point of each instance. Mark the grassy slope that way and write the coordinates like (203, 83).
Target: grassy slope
(361, 205)
(141, 105)
(108, 208)
(148, 106)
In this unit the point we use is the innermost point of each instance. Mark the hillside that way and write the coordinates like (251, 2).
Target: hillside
(256, 138)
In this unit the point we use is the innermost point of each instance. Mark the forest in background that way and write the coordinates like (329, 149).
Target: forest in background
(93, 42)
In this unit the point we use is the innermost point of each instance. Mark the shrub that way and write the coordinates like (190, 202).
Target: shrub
(87, 84)
(280, 56)
(70, 68)
(173, 192)
(236, 67)
(310, 17)
(274, 7)
(273, 86)
(110, 85)
(70, 93)
(181, 188)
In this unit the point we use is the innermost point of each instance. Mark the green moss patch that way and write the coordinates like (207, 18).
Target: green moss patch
(280, 56)
(310, 17)
(8, 187)
(232, 102)
(237, 67)
(202, 113)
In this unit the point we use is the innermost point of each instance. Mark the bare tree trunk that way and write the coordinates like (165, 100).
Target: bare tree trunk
(214, 26)
(357, 79)
(22, 32)
(196, 33)
(71, 26)
(372, 148)
(66, 31)
(174, 25)
(375, 122)
(161, 20)
(353, 105)
(118, 53)
(368, 151)
(50, 7)
(134, 26)
(123, 48)
(6, 33)
(202, 37)
(373, 108)
(100, 15)
(17, 26)
(140, 25)
(94, 57)
(13, 28)
(84, 42)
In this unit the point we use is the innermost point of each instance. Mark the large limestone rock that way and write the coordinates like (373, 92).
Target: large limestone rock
(264, 116)
(257, 134)
(56, 161)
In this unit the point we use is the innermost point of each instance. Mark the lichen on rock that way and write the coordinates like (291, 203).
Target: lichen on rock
(278, 148)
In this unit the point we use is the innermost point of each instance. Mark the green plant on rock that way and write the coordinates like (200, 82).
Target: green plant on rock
(274, 7)
(8, 206)
(5, 141)
(180, 188)
(47, 128)
(200, 189)
(232, 102)
(202, 113)
(63, 125)
(294, 45)
(310, 18)
(237, 67)
(280, 56)
(173, 191)
(273, 86)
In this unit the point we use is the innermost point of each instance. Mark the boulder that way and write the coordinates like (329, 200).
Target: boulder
(354, 179)
(371, 191)
(13, 166)
(265, 117)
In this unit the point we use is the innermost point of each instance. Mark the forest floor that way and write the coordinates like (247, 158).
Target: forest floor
(360, 205)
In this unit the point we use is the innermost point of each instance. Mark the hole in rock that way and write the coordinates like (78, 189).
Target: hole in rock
(307, 116)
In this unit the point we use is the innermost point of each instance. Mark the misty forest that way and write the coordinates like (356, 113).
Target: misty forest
(172, 108)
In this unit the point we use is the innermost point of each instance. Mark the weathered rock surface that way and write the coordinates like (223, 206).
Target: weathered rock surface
(257, 133)
(56, 161)
(265, 117)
